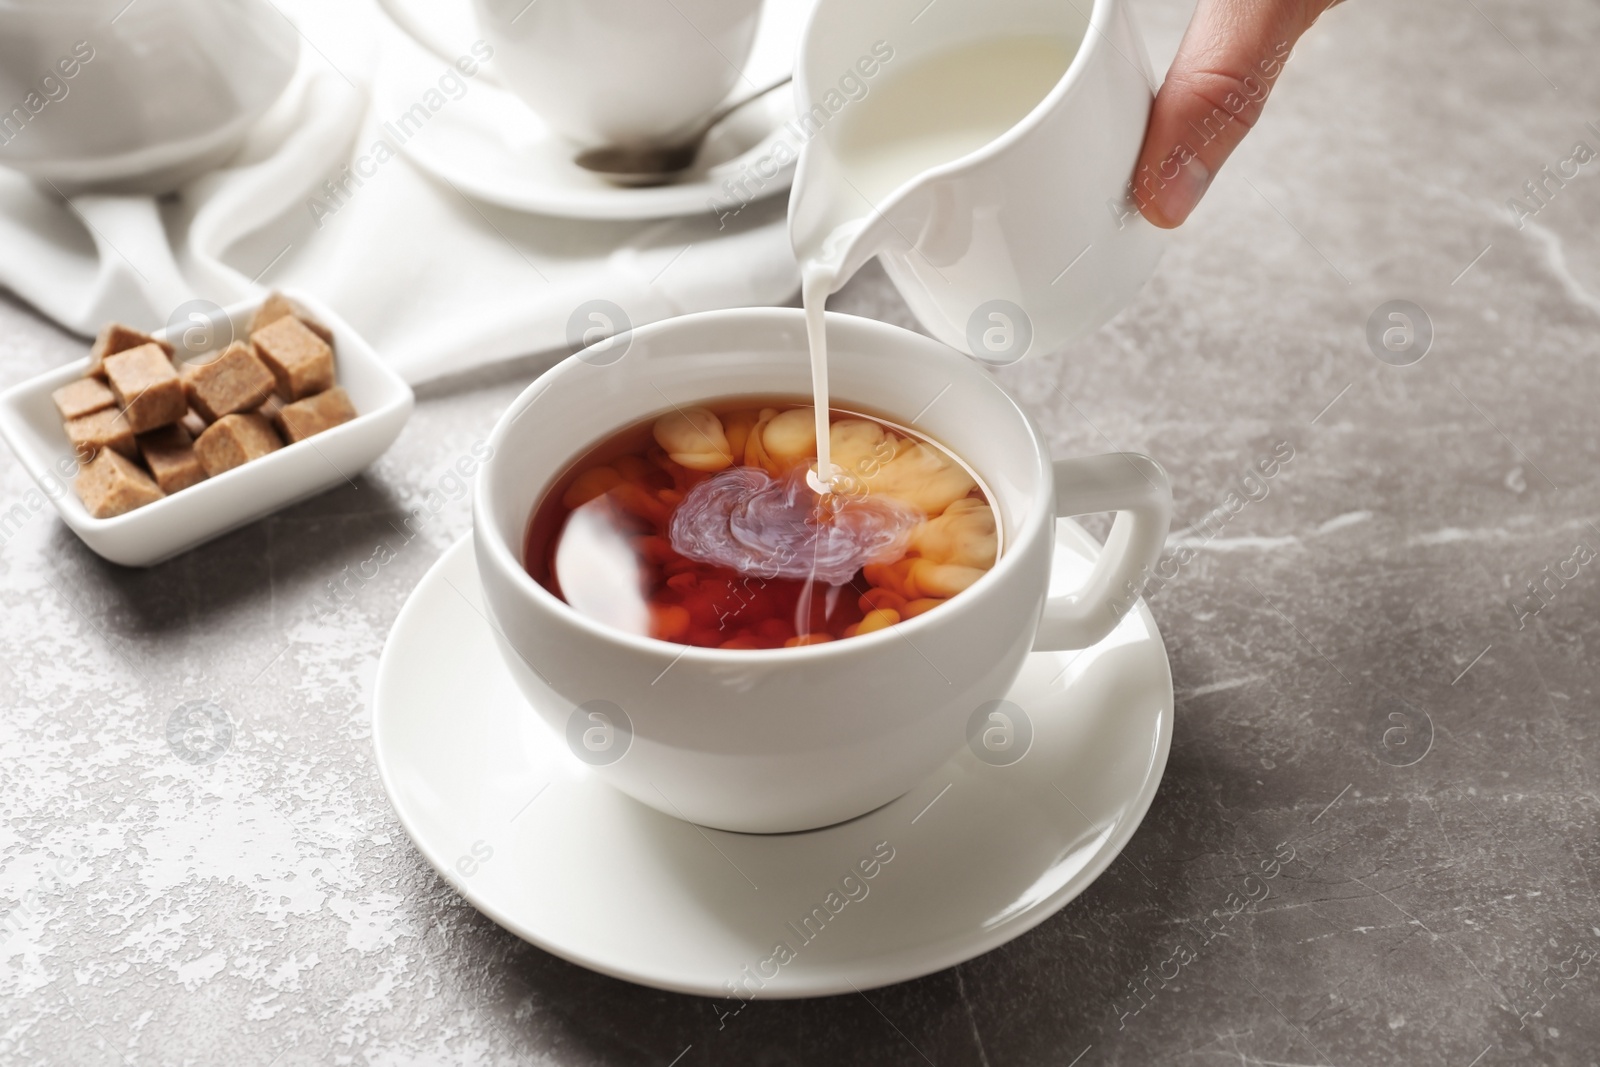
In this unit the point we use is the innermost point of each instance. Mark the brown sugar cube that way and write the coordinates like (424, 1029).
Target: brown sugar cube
(271, 408)
(314, 414)
(110, 485)
(300, 360)
(116, 338)
(169, 453)
(237, 380)
(82, 397)
(276, 306)
(233, 440)
(187, 368)
(101, 430)
(194, 423)
(147, 387)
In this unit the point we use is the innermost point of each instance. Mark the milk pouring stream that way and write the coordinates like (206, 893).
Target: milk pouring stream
(933, 112)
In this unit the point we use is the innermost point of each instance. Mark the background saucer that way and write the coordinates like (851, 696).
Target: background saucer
(981, 853)
(492, 146)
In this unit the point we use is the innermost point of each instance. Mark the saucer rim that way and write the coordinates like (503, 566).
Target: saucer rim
(619, 203)
(901, 966)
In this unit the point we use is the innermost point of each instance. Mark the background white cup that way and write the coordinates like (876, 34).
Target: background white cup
(792, 739)
(610, 72)
(135, 98)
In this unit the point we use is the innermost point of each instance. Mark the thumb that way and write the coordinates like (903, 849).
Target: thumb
(1231, 56)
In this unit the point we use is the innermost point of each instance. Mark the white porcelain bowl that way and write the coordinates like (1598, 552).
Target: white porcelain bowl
(31, 425)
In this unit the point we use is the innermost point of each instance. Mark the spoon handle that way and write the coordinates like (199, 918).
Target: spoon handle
(727, 109)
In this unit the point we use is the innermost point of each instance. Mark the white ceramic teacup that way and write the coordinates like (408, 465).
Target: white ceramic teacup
(135, 98)
(610, 72)
(1040, 219)
(796, 738)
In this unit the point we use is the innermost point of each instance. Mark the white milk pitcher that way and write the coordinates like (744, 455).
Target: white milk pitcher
(1003, 244)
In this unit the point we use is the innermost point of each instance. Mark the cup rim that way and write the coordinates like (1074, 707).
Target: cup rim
(1041, 516)
(1099, 16)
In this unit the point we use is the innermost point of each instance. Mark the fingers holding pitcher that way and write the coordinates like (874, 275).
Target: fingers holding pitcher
(1231, 57)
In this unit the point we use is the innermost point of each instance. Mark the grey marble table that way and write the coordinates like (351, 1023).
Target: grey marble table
(1362, 673)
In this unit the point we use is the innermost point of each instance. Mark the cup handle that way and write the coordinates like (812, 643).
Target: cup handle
(1137, 489)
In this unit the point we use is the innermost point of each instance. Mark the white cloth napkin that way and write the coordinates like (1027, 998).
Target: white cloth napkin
(438, 283)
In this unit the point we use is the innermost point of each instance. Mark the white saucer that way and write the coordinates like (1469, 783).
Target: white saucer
(492, 146)
(980, 853)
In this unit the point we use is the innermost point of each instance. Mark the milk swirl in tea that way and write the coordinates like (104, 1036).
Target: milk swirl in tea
(698, 527)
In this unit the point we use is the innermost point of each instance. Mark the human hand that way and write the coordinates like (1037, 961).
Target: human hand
(1229, 60)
